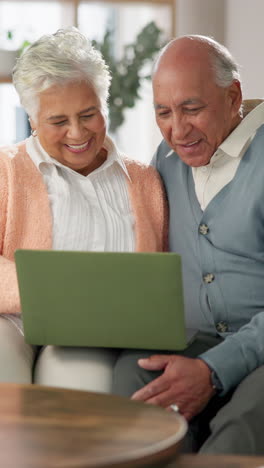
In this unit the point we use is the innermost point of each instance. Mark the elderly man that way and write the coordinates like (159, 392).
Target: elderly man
(212, 164)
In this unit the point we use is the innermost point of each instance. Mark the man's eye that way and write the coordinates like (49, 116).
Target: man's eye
(163, 113)
(193, 110)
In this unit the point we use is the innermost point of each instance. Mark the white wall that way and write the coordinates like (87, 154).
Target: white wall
(244, 33)
(238, 24)
(200, 17)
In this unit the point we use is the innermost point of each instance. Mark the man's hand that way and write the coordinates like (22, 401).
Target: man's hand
(185, 382)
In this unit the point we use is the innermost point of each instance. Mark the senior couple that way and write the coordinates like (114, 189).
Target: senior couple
(68, 187)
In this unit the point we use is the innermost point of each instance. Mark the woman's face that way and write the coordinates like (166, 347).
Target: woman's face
(71, 127)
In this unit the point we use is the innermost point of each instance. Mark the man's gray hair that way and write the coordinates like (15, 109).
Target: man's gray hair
(224, 65)
(58, 59)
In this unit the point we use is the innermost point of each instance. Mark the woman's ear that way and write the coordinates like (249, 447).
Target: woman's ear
(33, 127)
(32, 124)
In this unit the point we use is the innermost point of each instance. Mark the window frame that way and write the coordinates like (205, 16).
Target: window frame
(74, 4)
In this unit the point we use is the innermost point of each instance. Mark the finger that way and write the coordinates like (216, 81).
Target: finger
(164, 399)
(173, 408)
(152, 389)
(153, 362)
(183, 413)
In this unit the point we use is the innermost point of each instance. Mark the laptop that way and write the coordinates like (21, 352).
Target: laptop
(102, 299)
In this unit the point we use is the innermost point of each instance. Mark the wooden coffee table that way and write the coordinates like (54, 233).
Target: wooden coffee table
(44, 427)
(217, 461)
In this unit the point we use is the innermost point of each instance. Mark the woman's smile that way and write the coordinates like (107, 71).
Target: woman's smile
(80, 148)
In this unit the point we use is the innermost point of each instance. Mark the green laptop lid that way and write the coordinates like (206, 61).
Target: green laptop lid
(102, 299)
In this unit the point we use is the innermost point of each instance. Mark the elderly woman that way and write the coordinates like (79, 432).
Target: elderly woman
(68, 187)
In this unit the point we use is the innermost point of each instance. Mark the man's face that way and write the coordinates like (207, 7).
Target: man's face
(194, 114)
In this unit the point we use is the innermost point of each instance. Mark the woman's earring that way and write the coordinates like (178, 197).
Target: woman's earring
(33, 133)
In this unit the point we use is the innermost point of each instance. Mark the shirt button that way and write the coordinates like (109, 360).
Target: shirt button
(209, 278)
(222, 327)
(203, 229)
(204, 169)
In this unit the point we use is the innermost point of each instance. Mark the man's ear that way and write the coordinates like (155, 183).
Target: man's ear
(235, 95)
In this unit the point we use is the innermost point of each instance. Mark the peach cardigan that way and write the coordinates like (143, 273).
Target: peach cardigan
(26, 222)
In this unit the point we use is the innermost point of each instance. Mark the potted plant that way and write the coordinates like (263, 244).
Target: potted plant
(8, 54)
(9, 51)
(128, 71)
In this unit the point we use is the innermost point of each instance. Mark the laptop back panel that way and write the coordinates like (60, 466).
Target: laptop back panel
(102, 299)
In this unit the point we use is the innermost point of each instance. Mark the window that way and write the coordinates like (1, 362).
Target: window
(138, 136)
(25, 20)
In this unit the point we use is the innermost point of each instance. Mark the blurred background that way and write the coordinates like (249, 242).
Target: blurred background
(129, 33)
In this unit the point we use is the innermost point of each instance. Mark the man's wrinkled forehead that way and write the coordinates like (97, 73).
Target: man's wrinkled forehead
(185, 81)
(182, 54)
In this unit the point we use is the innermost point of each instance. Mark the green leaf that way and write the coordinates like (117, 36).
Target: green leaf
(126, 72)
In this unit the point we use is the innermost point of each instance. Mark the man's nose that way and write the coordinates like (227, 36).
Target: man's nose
(180, 128)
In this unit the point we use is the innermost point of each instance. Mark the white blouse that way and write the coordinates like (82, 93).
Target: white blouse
(90, 212)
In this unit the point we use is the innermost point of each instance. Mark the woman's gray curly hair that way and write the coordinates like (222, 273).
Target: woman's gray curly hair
(58, 59)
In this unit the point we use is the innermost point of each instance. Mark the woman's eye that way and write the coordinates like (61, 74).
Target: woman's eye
(62, 122)
(88, 116)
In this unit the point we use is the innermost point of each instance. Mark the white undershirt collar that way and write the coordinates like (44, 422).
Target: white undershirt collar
(40, 157)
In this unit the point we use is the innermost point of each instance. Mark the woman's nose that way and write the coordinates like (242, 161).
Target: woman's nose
(75, 130)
